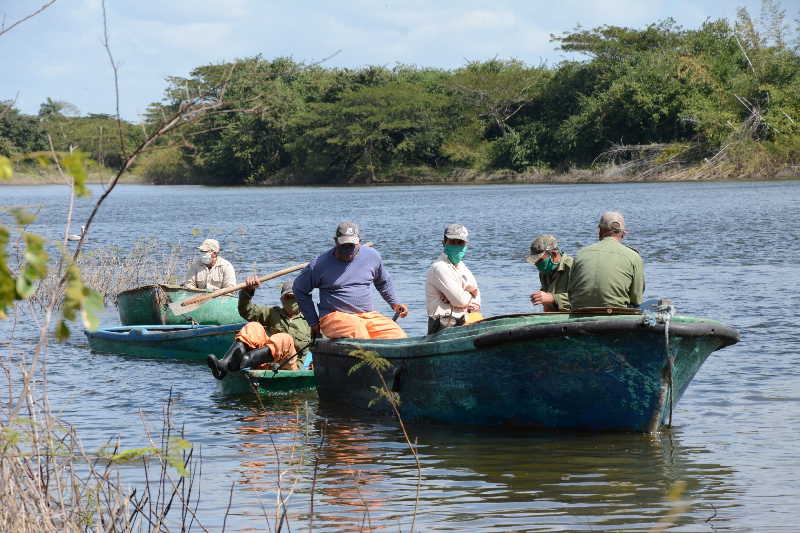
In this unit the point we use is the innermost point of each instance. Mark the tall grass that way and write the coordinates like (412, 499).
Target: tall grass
(112, 270)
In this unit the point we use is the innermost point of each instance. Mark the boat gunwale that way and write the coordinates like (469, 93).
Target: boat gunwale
(167, 287)
(167, 332)
(581, 326)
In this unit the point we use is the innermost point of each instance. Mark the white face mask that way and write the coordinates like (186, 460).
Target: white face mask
(206, 258)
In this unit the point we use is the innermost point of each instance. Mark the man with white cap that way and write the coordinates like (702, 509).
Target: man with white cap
(554, 269)
(259, 342)
(344, 276)
(210, 271)
(451, 291)
(607, 273)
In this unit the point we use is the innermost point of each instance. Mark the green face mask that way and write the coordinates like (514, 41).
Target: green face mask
(455, 253)
(546, 265)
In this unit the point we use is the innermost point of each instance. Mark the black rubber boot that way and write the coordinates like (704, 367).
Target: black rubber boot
(256, 357)
(233, 357)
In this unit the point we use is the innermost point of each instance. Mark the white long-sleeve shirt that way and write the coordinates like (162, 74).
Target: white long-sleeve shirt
(444, 288)
(219, 276)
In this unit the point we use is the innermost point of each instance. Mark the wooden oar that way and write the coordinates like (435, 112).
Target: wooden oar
(190, 304)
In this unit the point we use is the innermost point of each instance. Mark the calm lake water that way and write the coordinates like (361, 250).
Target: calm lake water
(728, 251)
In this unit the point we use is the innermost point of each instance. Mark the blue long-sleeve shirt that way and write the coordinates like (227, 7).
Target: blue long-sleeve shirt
(343, 286)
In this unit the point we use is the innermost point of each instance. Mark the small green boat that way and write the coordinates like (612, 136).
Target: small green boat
(553, 370)
(149, 305)
(191, 343)
(267, 381)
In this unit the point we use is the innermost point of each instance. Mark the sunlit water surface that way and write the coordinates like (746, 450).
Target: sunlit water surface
(728, 251)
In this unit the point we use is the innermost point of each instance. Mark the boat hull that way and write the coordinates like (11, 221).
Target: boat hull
(150, 305)
(192, 343)
(267, 382)
(587, 373)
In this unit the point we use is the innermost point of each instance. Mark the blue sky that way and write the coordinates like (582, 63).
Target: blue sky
(59, 52)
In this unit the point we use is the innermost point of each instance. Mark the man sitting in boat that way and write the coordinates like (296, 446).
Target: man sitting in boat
(554, 269)
(607, 273)
(344, 276)
(451, 291)
(210, 271)
(272, 335)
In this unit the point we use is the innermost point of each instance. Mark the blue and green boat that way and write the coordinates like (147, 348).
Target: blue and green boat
(149, 304)
(267, 381)
(186, 342)
(550, 370)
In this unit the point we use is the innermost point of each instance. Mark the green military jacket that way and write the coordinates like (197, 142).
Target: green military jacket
(606, 274)
(556, 283)
(275, 320)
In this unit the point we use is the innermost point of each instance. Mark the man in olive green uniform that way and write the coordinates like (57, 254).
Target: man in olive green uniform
(284, 319)
(554, 272)
(607, 273)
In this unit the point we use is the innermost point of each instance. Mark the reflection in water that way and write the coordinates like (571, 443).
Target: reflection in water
(364, 477)
(554, 480)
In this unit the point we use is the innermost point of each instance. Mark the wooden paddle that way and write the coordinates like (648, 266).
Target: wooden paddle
(190, 304)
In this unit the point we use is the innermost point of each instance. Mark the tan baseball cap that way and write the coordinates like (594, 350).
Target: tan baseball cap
(456, 231)
(612, 221)
(347, 233)
(209, 245)
(540, 246)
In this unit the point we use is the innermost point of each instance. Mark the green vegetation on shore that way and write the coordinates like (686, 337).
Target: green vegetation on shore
(663, 102)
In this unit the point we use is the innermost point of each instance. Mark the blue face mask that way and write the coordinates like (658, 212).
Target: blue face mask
(455, 253)
(346, 252)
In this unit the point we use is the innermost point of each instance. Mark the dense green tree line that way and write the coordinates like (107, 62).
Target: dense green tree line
(727, 92)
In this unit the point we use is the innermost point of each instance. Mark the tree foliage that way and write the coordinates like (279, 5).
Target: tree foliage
(723, 85)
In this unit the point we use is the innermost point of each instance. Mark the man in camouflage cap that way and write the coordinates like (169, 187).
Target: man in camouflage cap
(285, 319)
(607, 273)
(554, 270)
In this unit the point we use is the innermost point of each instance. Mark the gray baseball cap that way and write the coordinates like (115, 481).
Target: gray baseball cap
(612, 221)
(456, 231)
(540, 246)
(347, 233)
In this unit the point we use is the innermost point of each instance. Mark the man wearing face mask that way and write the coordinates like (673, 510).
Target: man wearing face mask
(210, 271)
(272, 334)
(451, 291)
(344, 276)
(554, 270)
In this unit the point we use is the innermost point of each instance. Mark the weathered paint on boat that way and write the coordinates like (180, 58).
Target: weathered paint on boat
(267, 381)
(166, 342)
(551, 371)
(149, 305)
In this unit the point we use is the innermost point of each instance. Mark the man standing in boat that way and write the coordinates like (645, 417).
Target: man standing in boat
(344, 276)
(210, 271)
(554, 269)
(272, 334)
(451, 291)
(607, 273)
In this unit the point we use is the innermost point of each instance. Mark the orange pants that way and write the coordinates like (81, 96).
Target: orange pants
(372, 325)
(281, 345)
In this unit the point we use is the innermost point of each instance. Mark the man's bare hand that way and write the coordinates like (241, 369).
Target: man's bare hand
(252, 283)
(542, 298)
(472, 289)
(402, 309)
(474, 307)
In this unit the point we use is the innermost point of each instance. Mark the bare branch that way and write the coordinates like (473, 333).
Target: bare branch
(4, 29)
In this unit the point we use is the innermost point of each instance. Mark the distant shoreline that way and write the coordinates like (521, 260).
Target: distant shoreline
(456, 177)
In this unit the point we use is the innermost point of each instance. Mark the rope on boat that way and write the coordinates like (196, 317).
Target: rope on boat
(664, 311)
